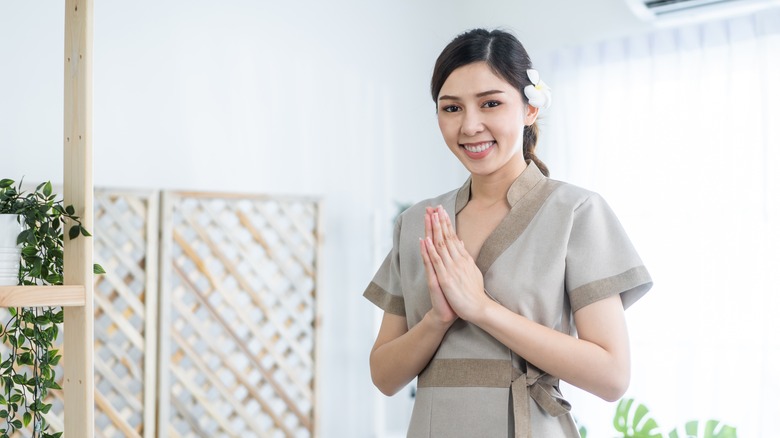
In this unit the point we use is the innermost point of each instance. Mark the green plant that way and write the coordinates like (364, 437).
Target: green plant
(26, 373)
(635, 422)
(632, 419)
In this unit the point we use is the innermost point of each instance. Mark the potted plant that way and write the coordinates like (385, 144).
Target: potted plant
(26, 371)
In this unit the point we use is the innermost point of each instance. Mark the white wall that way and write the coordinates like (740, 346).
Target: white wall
(300, 97)
(297, 97)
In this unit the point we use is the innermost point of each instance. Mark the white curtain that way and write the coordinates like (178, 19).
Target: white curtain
(680, 131)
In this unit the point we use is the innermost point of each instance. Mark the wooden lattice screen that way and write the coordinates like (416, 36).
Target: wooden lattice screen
(126, 244)
(238, 316)
(237, 331)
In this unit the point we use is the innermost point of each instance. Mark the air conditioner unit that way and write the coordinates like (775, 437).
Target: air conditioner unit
(674, 11)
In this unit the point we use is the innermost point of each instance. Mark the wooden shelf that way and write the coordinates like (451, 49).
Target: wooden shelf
(42, 296)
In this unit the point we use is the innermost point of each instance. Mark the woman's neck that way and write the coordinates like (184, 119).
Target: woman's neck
(490, 189)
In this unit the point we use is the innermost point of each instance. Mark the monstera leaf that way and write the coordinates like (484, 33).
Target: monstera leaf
(632, 419)
(701, 429)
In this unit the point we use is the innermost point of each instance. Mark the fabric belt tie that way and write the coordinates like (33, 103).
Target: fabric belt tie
(540, 387)
(499, 373)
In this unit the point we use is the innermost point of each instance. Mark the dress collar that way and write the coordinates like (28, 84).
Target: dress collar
(527, 180)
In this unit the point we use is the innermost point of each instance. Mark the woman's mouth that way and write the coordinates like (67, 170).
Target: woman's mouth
(478, 150)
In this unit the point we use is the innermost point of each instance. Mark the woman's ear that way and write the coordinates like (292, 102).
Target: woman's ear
(531, 112)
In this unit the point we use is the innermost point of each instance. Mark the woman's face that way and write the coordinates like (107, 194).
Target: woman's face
(481, 117)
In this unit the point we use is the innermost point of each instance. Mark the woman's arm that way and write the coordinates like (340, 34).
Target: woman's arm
(597, 361)
(399, 355)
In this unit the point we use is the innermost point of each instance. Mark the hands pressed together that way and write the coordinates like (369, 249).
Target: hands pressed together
(454, 280)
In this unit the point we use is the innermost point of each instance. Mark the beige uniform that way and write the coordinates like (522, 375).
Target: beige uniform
(559, 249)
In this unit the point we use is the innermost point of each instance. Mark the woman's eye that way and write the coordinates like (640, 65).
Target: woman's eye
(450, 108)
(491, 104)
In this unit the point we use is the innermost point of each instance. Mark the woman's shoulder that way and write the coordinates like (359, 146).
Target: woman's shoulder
(572, 195)
(572, 191)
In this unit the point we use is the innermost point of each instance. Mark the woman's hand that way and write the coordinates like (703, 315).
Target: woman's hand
(441, 310)
(458, 277)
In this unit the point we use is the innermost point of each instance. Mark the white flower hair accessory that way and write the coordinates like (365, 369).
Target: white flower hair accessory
(538, 94)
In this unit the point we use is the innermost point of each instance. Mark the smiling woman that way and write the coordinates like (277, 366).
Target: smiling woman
(495, 291)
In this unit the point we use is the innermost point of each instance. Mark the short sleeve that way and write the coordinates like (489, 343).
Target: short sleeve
(385, 288)
(600, 259)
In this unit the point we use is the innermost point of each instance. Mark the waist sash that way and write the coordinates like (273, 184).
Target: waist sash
(499, 373)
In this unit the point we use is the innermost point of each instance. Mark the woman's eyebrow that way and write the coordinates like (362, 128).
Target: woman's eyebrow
(488, 93)
(481, 94)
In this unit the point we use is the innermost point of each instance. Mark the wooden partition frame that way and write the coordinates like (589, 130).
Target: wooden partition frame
(78, 384)
(76, 296)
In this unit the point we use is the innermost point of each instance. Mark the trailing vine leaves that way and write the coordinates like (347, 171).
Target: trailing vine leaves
(27, 373)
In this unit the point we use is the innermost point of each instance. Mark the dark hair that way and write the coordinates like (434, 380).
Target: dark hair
(505, 55)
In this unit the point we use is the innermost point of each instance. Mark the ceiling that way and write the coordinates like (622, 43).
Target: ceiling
(550, 24)
(544, 25)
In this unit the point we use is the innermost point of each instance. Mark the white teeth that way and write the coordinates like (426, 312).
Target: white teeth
(478, 148)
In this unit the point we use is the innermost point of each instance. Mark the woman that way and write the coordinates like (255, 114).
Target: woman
(494, 291)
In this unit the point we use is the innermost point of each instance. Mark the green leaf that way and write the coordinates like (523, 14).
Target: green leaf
(47, 189)
(26, 418)
(12, 311)
(42, 319)
(84, 231)
(3, 413)
(701, 429)
(17, 424)
(5, 183)
(25, 359)
(71, 211)
(97, 269)
(24, 236)
(635, 422)
(73, 232)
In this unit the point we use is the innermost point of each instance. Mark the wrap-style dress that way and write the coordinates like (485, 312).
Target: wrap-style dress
(559, 248)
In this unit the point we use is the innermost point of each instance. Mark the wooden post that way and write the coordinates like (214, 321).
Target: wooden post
(79, 343)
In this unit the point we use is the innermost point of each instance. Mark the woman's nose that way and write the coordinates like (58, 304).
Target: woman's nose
(472, 124)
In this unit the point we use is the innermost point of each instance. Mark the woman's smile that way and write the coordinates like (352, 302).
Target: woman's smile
(478, 150)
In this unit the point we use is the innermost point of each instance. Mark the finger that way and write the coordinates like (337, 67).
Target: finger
(428, 225)
(454, 244)
(438, 238)
(425, 257)
(430, 272)
(436, 260)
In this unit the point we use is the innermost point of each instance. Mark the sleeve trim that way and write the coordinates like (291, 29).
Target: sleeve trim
(385, 300)
(636, 280)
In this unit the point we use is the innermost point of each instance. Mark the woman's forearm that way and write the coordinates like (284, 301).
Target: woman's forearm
(399, 356)
(599, 364)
